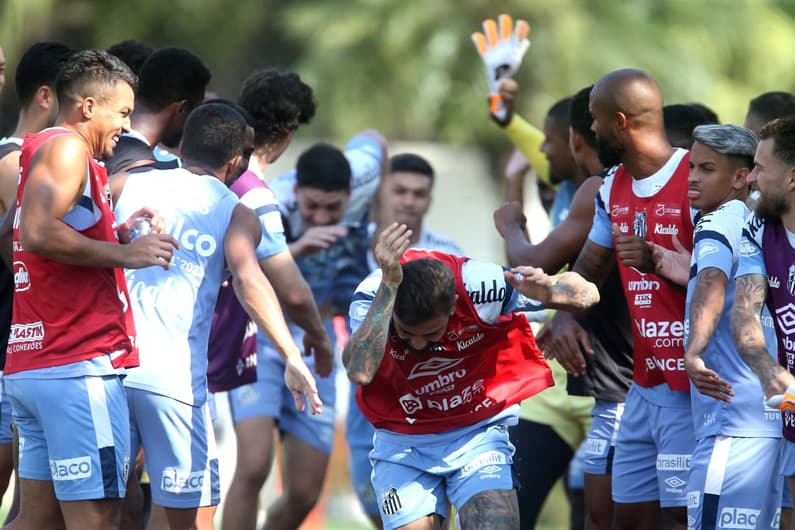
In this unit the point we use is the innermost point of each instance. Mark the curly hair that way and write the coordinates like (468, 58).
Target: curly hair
(279, 102)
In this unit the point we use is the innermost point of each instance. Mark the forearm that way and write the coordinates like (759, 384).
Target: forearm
(258, 298)
(572, 292)
(363, 354)
(57, 241)
(300, 308)
(750, 340)
(706, 308)
(7, 237)
(528, 140)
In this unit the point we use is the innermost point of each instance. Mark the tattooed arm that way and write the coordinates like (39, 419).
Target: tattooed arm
(568, 291)
(363, 354)
(706, 308)
(594, 262)
(749, 296)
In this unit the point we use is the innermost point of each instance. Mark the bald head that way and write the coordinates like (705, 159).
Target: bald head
(634, 93)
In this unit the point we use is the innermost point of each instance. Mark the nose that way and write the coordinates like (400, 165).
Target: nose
(321, 218)
(752, 177)
(418, 343)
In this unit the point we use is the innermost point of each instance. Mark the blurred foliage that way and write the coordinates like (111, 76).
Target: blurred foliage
(408, 68)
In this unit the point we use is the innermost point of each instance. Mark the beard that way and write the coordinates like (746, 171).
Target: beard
(771, 207)
(610, 154)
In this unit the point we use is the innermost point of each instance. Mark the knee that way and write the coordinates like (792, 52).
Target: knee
(253, 469)
(303, 497)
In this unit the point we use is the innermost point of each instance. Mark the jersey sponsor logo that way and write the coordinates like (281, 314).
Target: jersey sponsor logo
(442, 383)
(176, 481)
(732, 517)
(464, 344)
(619, 210)
(673, 462)
(693, 499)
(666, 365)
(249, 361)
(662, 210)
(466, 396)
(675, 484)
(433, 366)
(789, 419)
(595, 446)
(71, 468)
(748, 249)
(791, 280)
(487, 296)
(773, 282)
(360, 312)
(666, 230)
(786, 319)
(643, 285)
(453, 334)
(390, 502)
(410, 403)
(26, 332)
(754, 224)
(639, 224)
(489, 472)
(706, 249)
(643, 299)
(483, 460)
(190, 239)
(666, 334)
(21, 277)
(398, 356)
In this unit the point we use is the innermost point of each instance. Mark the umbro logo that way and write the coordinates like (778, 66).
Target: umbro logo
(434, 366)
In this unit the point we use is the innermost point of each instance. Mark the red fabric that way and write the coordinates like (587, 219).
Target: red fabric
(481, 370)
(65, 313)
(656, 306)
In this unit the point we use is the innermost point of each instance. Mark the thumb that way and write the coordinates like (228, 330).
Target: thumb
(617, 231)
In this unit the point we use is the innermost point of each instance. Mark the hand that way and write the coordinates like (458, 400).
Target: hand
(707, 381)
(392, 243)
(508, 217)
(502, 104)
(321, 348)
(563, 338)
(299, 380)
(318, 238)
(672, 264)
(532, 282)
(148, 250)
(633, 251)
(502, 55)
(155, 220)
(517, 165)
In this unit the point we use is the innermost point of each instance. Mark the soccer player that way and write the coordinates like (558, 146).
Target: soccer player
(767, 107)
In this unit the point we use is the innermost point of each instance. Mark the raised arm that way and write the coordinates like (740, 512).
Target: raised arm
(363, 354)
(568, 291)
(749, 296)
(258, 298)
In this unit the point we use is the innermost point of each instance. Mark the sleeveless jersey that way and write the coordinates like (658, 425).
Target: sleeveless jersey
(656, 306)
(716, 244)
(767, 249)
(64, 313)
(7, 146)
(477, 370)
(232, 349)
(173, 308)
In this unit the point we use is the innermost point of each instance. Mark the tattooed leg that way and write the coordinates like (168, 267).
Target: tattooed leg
(491, 510)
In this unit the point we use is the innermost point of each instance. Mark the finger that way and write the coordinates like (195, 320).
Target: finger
(678, 245)
(480, 43)
(506, 26)
(490, 30)
(168, 238)
(584, 342)
(522, 29)
(299, 402)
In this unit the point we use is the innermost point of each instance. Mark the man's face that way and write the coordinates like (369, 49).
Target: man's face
(711, 178)
(409, 197)
(771, 176)
(608, 146)
(419, 336)
(556, 148)
(319, 207)
(111, 117)
(2, 70)
(248, 148)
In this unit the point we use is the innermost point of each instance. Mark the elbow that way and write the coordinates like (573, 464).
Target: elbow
(32, 240)
(359, 377)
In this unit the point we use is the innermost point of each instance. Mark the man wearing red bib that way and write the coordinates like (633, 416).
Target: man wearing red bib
(71, 334)
(443, 358)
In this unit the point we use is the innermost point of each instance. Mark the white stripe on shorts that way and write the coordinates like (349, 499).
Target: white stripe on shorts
(99, 410)
(716, 469)
(616, 423)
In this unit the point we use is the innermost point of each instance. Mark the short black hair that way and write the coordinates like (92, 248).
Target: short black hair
(239, 108)
(214, 134)
(681, 119)
(772, 105)
(324, 167)
(782, 131)
(559, 113)
(426, 291)
(85, 69)
(580, 119)
(39, 66)
(410, 163)
(170, 75)
(133, 53)
(279, 103)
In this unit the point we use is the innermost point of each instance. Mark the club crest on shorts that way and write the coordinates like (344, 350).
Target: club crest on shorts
(390, 504)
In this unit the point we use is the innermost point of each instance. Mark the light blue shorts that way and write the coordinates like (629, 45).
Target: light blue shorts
(179, 449)
(735, 483)
(414, 481)
(600, 444)
(270, 397)
(653, 452)
(75, 432)
(6, 419)
(359, 436)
